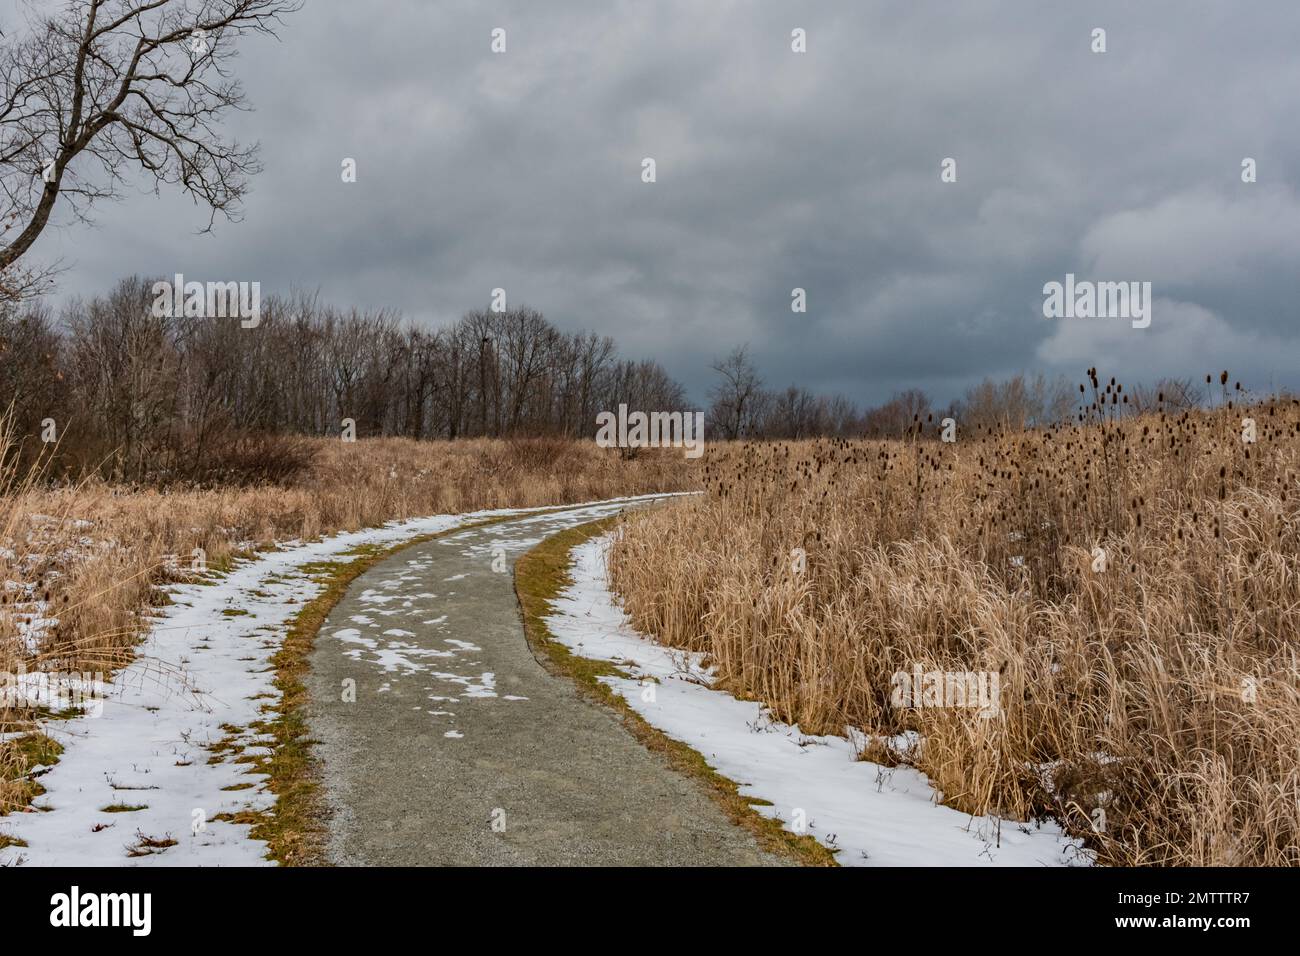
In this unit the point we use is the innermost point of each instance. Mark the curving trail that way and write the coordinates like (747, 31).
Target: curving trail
(456, 727)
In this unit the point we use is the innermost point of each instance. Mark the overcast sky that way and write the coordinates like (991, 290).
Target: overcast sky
(775, 170)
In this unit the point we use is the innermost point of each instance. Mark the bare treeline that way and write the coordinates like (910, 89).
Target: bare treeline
(742, 407)
(136, 396)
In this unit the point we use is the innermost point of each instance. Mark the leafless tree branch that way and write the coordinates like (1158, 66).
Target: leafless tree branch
(106, 86)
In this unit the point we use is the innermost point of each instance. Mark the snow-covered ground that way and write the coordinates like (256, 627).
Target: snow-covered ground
(202, 676)
(873, 815)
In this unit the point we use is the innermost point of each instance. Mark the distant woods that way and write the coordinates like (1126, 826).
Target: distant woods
(137, 397)
(742, 407)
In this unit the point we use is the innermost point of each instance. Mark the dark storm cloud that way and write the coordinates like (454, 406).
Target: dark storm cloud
(775, 170)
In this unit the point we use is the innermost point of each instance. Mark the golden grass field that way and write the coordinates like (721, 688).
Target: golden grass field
(84, 561)
(1148, 701)
(89, 556)
(1152, 707)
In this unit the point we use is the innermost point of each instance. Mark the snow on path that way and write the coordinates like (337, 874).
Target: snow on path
(872, 814)
(202, 675)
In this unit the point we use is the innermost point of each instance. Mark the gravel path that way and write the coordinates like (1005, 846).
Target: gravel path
(461, 749)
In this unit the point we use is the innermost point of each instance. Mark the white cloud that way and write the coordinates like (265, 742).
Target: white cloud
(1184, 340)
(1198, 236)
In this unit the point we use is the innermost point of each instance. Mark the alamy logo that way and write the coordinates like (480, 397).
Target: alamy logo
(57, 691)
(211, 300)
(103, 909)
(1098, 300)
(652, 430)
(920, 689)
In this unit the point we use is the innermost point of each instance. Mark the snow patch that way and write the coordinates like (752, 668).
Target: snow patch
(200, 682)
(870, 814)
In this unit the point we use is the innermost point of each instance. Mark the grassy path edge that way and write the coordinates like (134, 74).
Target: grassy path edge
(540, 575)
(295, 826)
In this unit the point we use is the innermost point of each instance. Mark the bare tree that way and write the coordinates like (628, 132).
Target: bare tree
(22, 284)
(31, 386)
(123, 364)
(894, 418)
(736, 396)
(1053, 400)
(798, 413)
(105, 86)
(1168, 394)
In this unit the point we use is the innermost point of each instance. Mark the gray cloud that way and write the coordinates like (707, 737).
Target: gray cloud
(775, 170)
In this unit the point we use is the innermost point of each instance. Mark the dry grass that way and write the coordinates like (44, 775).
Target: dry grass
(80, 564)
(1152, 707)
(543, 573)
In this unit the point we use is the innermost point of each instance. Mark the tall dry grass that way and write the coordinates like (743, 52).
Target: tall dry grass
(82, 561)
(1152, 707)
